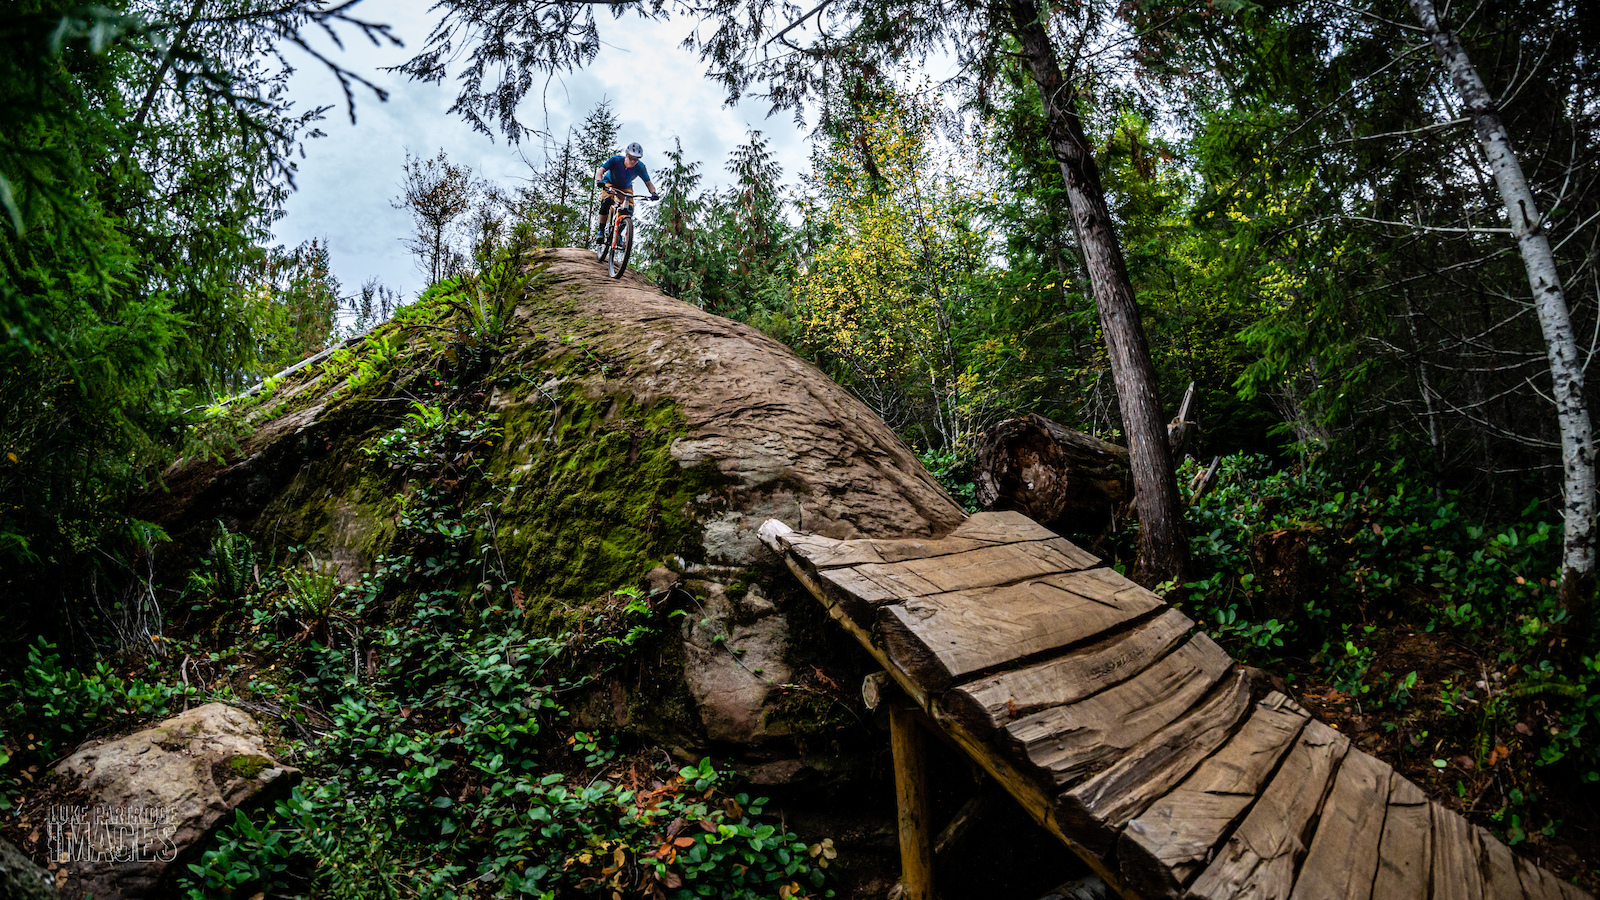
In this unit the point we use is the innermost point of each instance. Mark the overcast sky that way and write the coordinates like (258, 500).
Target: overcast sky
(347, 180)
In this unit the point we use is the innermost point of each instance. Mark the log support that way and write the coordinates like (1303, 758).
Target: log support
(911, 798)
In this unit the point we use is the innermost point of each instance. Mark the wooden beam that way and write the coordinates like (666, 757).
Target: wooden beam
(961, 824)
(911, 797)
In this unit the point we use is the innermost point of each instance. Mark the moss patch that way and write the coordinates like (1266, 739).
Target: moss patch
(593, 498)
(245, 765)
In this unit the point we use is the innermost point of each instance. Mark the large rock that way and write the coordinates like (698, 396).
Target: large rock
(20, 879)
(638, 432)
(149, 797)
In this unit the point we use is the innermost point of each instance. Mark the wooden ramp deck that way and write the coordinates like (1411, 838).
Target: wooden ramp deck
(1133, 737)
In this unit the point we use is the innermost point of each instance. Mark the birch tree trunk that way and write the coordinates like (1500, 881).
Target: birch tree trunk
(1566, 368)
(1163, 550)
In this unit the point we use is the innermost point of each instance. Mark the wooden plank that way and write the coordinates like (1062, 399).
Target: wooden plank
(1570, 891)
(1105, 586)
(1344, 852)
(994, 702)
(1001, 528)
(1455, 857)
(889, 551)
(1022, 789)
(1260, 858)
(1499, 866)
(1098, 808)
(911, 798)
(1405, 855)
(1538, 883)
(1167, 844)
(827, 553)
(1573, 892)
(859, 595)
(1066, 743)
(984, 567)
(966, 818)
(953, 637)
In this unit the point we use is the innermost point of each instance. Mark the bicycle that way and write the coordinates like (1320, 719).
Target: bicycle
(617, 243)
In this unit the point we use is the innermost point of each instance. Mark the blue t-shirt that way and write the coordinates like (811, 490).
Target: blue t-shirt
(620, 175)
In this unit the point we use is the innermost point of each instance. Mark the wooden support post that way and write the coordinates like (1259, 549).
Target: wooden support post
(911, 796)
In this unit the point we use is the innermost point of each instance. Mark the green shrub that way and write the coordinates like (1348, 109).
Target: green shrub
(51, 707)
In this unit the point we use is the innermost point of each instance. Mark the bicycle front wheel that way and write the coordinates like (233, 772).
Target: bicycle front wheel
(621, 248)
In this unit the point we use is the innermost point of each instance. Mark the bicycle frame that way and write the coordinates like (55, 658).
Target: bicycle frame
(621, 209)
(619, 243)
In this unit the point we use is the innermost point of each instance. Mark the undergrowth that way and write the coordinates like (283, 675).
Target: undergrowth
(430, 722)
(1433, 637)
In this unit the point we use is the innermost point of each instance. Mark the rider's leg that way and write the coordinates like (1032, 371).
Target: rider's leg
(605, 209)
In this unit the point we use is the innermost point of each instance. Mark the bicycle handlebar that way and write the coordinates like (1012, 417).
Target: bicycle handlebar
(629, 195)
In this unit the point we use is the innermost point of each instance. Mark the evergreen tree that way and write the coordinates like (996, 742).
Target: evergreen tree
(558, 196)
(144, 153)
(676, 249)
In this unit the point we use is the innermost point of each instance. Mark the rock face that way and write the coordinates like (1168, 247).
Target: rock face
(150, 796)
(20, 879)
(636, 432)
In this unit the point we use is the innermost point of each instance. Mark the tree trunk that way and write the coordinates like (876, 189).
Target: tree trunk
(1566, 368)
(1163, 552)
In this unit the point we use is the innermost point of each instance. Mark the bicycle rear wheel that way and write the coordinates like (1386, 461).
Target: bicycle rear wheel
(623, 246)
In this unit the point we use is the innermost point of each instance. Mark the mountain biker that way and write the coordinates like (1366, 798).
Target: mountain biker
(620, 171)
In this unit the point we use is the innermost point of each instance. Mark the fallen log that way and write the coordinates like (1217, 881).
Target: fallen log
(1060, 478)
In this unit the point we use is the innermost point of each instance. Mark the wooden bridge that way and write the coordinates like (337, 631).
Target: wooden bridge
(1130, 735)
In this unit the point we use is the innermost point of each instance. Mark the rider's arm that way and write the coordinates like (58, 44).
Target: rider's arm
(599, 173)
(651, 185)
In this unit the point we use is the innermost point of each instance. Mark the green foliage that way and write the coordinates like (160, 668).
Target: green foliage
(429, 435)
(141, 164)
(311, 593)
(732, 252)
(1333, 578)
(227, 572)
(953, 470)
(438, 765)
(559, 203)
(51, 706)
(1368, 549)
(894, 293)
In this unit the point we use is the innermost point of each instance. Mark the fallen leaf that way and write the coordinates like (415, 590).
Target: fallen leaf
(1524, 730)
(708, 825)
(672, 880)
(684, 842)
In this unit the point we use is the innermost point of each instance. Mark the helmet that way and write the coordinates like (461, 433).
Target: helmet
(634, 150)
